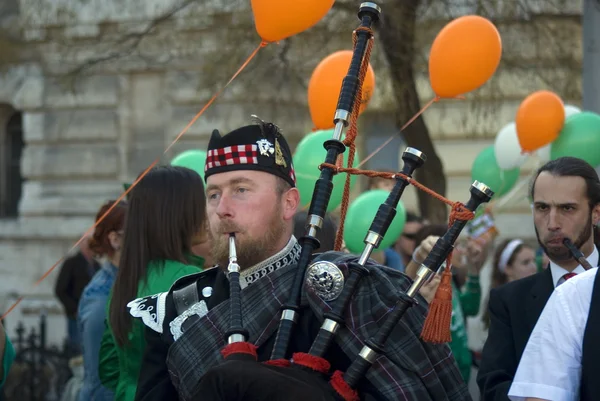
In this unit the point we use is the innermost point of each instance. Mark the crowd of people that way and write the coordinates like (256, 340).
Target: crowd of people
(146, 294)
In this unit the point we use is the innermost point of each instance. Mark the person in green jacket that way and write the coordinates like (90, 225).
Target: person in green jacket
(166, 217)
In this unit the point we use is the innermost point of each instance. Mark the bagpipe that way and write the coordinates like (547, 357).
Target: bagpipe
(306, 377)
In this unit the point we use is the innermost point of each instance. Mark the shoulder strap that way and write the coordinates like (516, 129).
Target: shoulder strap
(185, 297)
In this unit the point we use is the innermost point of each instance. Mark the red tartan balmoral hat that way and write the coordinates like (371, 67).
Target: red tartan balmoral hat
(260, 146)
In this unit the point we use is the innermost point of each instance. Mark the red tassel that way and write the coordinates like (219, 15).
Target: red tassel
(239, 348)
(311, 361)
(283, 363)
(342, 388)
(437, 324)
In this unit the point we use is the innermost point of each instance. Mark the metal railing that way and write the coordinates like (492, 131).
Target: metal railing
(39, 372)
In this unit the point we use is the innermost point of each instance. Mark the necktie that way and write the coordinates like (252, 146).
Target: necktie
(569, 275)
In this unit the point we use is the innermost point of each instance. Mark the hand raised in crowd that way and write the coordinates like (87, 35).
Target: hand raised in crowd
(419, 255)
(424, 248)
(476, 253)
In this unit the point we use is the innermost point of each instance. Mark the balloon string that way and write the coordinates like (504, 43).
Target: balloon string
(154, 163)
(459, 211)
(391, 138)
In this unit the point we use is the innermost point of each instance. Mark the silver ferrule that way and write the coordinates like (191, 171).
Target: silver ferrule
(373, 238)
(330, 326)
(236, 338)
(233, 265)
(341, 117)
(368, 354)
(339, 130)
(371, 5)
(423, 275)
(366, 254)
(289, 314)
(315, 222)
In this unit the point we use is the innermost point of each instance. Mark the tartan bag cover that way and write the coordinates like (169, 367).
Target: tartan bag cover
(410, 370)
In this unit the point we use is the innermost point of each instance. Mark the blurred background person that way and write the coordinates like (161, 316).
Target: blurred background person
(513, 260)
(405, 245)
(8, 355)
(105, 245)
(75, 273)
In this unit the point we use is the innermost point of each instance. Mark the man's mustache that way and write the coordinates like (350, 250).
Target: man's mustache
(226, 228)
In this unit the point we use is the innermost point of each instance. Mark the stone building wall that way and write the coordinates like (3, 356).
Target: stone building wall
(86, 136)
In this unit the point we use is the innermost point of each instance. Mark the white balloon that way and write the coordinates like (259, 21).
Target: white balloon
(543, 153)
(507, 148)
(570, 110)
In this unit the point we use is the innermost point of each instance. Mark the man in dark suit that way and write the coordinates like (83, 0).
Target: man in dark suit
(564, 198)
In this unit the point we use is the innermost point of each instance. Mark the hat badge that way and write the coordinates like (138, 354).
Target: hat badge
(265, 147)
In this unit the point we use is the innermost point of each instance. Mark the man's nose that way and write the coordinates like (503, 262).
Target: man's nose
(224, 208)
(553, 220)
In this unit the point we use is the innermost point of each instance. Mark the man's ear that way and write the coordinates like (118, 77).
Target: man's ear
(291, 201)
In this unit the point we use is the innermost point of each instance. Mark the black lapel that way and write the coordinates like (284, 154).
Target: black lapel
(540, 293)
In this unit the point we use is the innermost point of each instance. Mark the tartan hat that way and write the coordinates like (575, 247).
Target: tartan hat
(259, 146)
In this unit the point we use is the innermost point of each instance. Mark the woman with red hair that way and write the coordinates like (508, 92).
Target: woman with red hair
(106, 245)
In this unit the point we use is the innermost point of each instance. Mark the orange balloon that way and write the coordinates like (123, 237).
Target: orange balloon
(540, 118)
(325, 86)
(464, 56)
(279, 19)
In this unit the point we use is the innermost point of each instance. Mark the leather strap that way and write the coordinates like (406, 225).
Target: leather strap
(185, 297)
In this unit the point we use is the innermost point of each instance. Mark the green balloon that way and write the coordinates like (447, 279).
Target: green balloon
(485, 170)
(580, 137)
(360, 215)
(192, 159)
(309, 154)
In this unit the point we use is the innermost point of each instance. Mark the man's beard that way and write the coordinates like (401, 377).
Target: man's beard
(250, 251)
(561, 254)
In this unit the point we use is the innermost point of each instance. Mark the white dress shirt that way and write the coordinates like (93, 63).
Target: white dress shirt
(558, 272)
(550, 367)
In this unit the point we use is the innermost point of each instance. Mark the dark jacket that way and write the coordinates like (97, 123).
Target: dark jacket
(514, 310)
(75, 274)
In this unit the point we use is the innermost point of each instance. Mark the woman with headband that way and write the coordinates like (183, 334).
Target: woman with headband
(513, 260)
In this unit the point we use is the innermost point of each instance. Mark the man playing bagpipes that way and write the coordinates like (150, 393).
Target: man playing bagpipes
(274, 321)
(251, 193)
